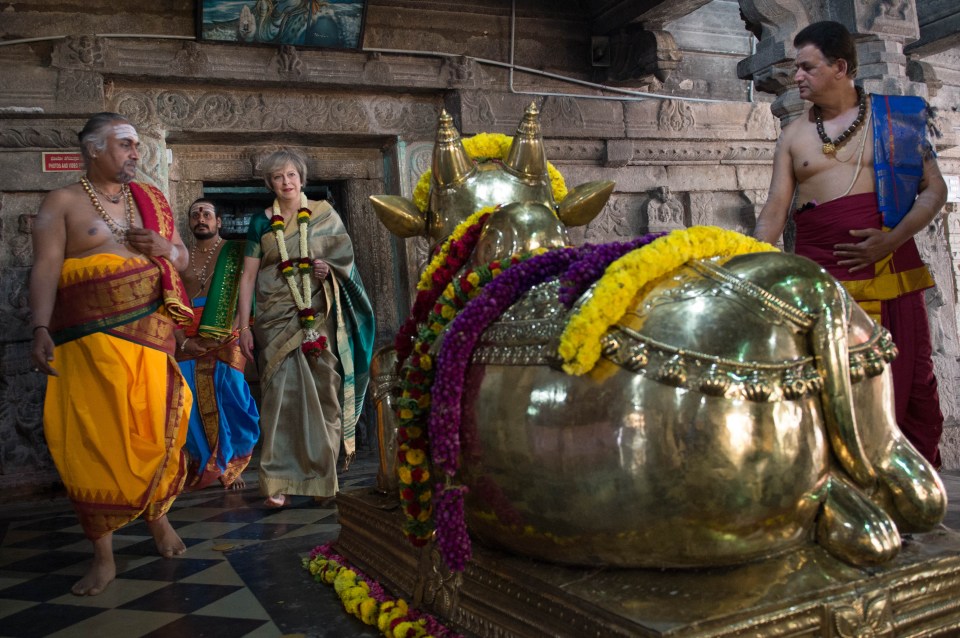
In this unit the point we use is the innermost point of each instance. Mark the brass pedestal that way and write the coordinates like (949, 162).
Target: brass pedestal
(804, 593)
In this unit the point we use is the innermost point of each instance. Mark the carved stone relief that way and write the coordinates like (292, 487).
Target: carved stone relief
(82, 88)
(479, 108)
(732, 210)
(885, 17)
(17, 218)
(663, 210)
(232, 111)
(418, 158)
(152, 167)
(561, 112)
(37, 136)
(84, 52)
(288, 63)
(191, 59)
(415, 162)
(619, 220)
(23, 450)
(460, 72)
(15, 303)
(376, 70)
(675, 115)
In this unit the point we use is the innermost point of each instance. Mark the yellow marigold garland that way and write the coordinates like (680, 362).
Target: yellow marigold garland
(367, 600)
(631, 274)
(481, 147)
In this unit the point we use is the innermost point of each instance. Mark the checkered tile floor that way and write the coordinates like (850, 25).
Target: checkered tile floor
(240, 576)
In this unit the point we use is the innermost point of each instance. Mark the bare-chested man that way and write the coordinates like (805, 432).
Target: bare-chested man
(225, 421)
(861, 199)
(106, 297)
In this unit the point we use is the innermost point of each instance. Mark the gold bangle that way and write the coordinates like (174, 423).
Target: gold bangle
(183, 344)
(242, 329)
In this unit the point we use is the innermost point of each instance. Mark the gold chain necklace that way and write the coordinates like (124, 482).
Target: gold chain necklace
(201, 275)
(830, 146)
(119, 232)
(114, 199)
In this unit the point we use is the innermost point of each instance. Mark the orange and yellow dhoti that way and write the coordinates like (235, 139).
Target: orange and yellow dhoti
(115, 418)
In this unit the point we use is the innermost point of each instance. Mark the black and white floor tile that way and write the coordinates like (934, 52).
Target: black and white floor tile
(240, 576)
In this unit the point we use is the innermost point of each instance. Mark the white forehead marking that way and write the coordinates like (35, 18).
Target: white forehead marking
(125, 132)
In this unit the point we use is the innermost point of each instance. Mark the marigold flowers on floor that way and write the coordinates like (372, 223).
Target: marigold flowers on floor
(366, 599)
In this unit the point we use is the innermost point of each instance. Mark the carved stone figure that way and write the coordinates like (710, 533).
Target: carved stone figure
(664, 211)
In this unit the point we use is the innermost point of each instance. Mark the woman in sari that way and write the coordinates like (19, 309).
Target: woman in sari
(313, 335)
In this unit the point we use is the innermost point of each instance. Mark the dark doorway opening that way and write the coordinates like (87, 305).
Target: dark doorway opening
(239, 202)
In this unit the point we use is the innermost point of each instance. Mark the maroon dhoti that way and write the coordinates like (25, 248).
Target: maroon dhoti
(892, 293)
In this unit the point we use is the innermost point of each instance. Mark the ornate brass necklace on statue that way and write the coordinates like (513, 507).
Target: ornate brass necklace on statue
(119, 231)
(201, 275)
(830, 146)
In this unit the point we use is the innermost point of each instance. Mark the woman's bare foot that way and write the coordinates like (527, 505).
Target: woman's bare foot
(169, 544)
(102, 570)
(237, 484)
(276, 502)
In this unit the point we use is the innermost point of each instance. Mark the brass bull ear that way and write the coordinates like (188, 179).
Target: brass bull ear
(584, 202)
(399, 215)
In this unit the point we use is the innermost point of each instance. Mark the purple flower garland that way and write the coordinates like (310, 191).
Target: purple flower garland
(593, 262)
(453, 542)
(578, 268)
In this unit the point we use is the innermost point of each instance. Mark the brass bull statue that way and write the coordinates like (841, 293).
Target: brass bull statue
(742, 406)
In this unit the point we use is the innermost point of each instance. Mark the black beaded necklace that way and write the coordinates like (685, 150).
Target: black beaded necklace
(830, 146)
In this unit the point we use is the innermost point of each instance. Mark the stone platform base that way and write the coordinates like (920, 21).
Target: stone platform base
(804, 593)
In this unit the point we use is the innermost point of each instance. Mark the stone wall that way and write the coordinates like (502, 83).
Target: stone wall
(699, 153)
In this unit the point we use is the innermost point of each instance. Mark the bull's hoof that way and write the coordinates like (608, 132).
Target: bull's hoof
(918, 498)
(853, 528)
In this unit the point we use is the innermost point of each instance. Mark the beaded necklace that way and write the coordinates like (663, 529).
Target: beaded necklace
(201, 276)
(119, 232)
(830, 146)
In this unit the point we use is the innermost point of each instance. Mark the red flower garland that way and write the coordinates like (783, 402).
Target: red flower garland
(460, 250)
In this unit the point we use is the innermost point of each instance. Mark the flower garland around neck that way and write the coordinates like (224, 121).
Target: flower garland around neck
(416, 380)
(313, 342)
(366, 599)
(452, 254)
(480, 147)
(635, 273)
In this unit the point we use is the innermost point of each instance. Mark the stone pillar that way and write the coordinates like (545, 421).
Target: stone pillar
(882, 28)
(380, 256)
(774, 23)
